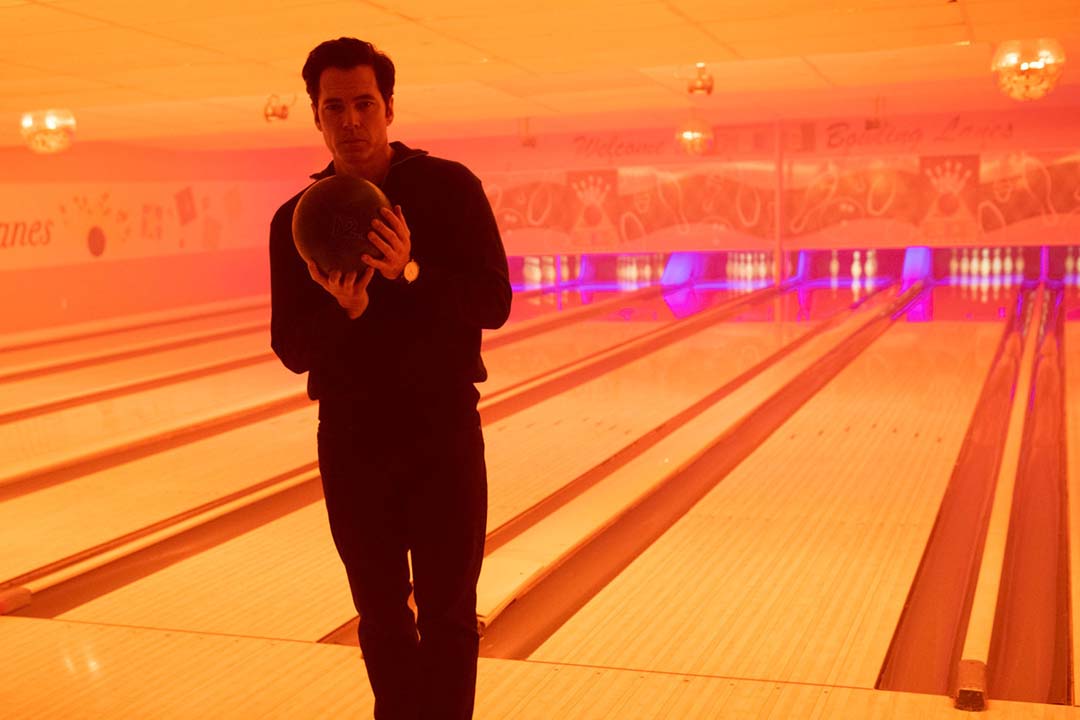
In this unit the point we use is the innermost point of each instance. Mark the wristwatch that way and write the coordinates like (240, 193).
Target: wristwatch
(410, 272)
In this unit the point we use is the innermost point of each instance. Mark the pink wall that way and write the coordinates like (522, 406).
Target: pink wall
(110, 229)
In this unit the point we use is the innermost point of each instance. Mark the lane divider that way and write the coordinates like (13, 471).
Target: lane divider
(971, 692)
(551, 594)
(72, 576)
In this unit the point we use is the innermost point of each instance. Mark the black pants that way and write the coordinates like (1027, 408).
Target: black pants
(386, 497)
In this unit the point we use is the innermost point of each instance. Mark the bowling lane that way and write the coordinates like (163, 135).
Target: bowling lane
(58, 521)
(185, 352)
(284, 579)
(531, 304)
(132, 338)
(796, 566)
(514, 363)
(28, 395)
(42, 441)
(1072, 429)
(34, 441)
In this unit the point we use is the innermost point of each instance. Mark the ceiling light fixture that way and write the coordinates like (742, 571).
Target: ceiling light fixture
(696, 136)
(1028, 69)
(48, 131)
(275, 109)
(703, 83)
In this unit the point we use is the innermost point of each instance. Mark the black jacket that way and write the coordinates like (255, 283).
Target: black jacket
(417, 347)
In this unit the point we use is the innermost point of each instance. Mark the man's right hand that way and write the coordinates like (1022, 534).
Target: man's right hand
(349, 290)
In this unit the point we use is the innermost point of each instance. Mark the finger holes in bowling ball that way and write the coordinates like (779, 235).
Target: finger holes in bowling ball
(332, 220)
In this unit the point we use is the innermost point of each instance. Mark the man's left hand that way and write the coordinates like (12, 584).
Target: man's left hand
(390, 235)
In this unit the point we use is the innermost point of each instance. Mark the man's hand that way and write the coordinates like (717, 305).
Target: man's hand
(391, 236)
(349, 290)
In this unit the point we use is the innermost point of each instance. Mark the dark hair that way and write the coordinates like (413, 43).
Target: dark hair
(346, 53)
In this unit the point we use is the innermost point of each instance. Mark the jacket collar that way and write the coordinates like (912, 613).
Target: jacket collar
(400, 153)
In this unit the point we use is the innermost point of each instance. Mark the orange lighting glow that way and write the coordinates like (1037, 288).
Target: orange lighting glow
(696, 137)
(1028, 69)
(48, 131)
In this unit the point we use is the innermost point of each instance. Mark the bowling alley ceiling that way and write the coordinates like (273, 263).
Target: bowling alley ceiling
(198, 73)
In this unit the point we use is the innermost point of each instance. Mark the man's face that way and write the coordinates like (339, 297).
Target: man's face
(353, 117)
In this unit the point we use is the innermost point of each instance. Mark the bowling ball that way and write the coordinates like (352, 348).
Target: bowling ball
(332, 220)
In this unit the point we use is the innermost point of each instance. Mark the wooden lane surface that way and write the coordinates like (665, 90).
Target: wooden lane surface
(38, 442)
(54, 438)
(529, 456)
(143, 354)
(58, 521)
(558, 542)
(119, 324)
(796, 566)
(32, 392)
(1072, 425)
(65, 351)
(74, 671)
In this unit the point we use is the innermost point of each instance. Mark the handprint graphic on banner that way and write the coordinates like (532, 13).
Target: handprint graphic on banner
(953, 196)
(596, 196)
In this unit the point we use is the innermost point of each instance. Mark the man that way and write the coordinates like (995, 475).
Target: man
(392, 355)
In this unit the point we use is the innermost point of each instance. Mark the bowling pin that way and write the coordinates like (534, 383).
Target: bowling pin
(871, 263)
(954, 263)
(856, 265)
(984, 266)
(1070, 262)
(965, 262)
(834, 270)
(1007, 263)
(1020, 265)
(995, 270)
(547, 270)
(531, 271)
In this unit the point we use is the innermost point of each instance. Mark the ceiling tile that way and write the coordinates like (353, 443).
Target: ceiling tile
(17, 20)
(127, 13)
(904, 64)
(288, 33)
(730, 77)
(1034, 27)
(852, 44)
(206, 67)
(76, 100)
